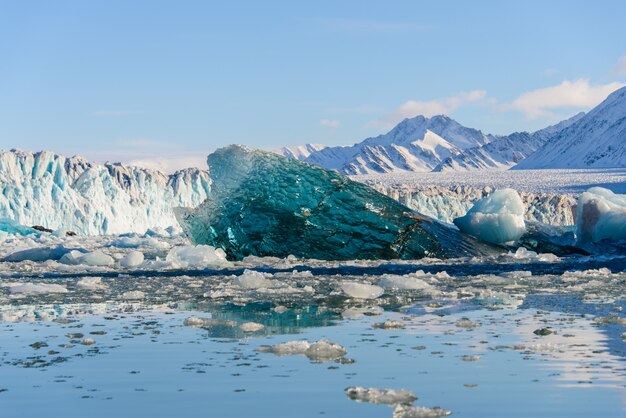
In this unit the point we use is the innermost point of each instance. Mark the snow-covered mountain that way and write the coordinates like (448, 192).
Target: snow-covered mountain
(54, 191)
(503, 152)
(301, 152)
(597, 140)
(416, 144)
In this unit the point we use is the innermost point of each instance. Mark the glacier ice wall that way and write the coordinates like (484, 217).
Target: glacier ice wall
(449, 202)
(263, 204)
(54, 191)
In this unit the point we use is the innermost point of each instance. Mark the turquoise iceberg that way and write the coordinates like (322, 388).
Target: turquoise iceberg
(264, 204)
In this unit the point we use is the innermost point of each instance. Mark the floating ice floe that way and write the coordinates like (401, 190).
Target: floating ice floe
(251, 279)
(197, 256)
(263, 204)
(389, 325)
(38, 254)
(404, 283)
(195, 322)
(132, 259)
(11, 227)
(380, 395)
(96, 258)
(90, 283)
(319, 351)
(362, 290)
(30, 288)
(601, 215)
(497, 219)
(403, 411)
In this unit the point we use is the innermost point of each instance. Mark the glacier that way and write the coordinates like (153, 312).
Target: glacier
(263, 204)
(57, 192)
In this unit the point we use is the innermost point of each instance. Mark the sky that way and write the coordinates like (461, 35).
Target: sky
(163, 83)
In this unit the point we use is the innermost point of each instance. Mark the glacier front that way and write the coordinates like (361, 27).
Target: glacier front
(74, 194)
(263, 204)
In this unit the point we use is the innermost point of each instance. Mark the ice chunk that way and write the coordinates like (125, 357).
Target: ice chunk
(195, 322)
(198, 256)
(319, 351)
(96, 258)
(404, 411)
(497, 219)
(132, 259)
(381, 396)
(30, 288)
(11, 227)
(601, 215)
(362, 290)
(90, 283)
(264, 204)
(404, 283)
(388, 325)
(251, 279)
(38, 254)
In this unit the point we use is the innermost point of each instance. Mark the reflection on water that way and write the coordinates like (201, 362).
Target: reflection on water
(512, 344)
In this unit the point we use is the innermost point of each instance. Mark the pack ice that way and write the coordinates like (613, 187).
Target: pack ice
(263, 204)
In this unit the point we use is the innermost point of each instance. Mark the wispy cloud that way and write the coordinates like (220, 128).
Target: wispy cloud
(428, 108)
(330, 123)
(579, 94)
(620, 68)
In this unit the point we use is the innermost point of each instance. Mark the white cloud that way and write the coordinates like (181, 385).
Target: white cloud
(169, 163)
(620, 68)
(569, 94)
(430, 108)
(330, 123)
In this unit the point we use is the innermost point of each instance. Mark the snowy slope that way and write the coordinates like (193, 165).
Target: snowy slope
(597, 140)
(505, 151)
(417, 144)
(54, 191)
(300, 152)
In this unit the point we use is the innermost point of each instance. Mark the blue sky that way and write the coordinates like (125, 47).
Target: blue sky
(163, 83)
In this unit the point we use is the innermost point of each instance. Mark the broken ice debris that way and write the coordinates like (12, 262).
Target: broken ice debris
(263, 204)
(497, 219)
(380, 396)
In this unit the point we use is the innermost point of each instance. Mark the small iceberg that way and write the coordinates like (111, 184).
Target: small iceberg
(496, 219)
